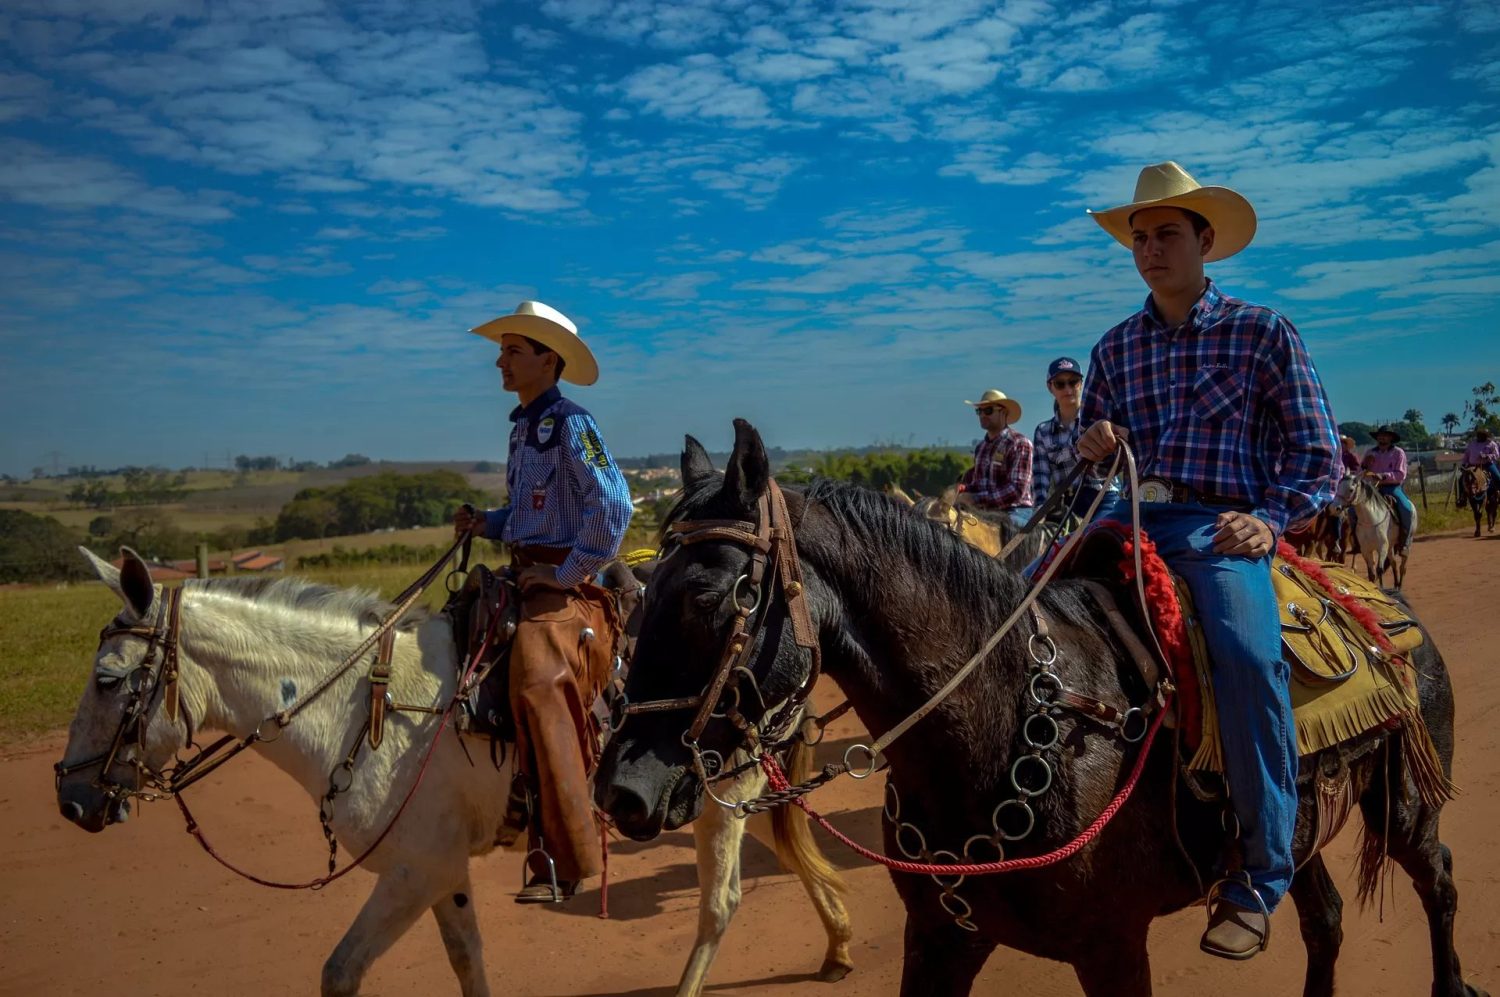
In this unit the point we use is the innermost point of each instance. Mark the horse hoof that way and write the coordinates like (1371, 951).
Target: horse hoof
(832, 972)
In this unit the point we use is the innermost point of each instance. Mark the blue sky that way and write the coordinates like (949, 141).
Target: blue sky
(262, 226)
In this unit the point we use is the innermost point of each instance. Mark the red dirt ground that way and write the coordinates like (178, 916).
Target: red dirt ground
(140, 910)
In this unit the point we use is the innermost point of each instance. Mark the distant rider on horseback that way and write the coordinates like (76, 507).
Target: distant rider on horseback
(568, 510)
(1055, 441)
(1232, 427)
(1386, 463)
(1000, 480)
(1483, 453)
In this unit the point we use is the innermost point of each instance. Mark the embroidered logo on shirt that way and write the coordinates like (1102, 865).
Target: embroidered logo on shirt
(593, 449)
(538, 499)
(544, 429)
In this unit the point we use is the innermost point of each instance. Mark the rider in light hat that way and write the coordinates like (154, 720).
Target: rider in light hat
(1223, 407)
(567, 514)
(1000, 480)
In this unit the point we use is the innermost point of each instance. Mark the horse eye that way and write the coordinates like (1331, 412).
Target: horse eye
(708, 600)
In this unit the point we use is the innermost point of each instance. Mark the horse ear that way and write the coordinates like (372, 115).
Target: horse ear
(695, 463)
(135, 582)
(749, 470)
(108, 573)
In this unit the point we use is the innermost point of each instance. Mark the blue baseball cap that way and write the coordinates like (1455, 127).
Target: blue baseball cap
(1063, 365)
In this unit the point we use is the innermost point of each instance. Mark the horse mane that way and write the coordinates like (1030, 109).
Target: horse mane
(300, 594)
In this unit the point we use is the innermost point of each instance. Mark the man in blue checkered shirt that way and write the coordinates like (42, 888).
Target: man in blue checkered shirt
(1229, 421)
(568, 511)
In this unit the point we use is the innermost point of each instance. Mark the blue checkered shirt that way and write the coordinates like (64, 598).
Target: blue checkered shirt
(565, 490)
(1056, 450)
(1227, 403)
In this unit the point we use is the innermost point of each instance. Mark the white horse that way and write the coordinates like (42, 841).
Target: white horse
(252, 647)
(1376, 526)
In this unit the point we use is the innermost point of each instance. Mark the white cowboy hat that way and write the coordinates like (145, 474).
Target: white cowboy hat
(1167, 185)
(994, 396)
(553, 330)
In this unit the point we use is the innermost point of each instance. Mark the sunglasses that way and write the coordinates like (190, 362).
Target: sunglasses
(987, 409)
(1071, 382)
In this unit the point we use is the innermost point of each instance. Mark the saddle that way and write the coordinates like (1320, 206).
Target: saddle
(484, 614)
(1346, 641)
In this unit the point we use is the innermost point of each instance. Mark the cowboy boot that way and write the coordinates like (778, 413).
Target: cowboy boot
(1235, 932)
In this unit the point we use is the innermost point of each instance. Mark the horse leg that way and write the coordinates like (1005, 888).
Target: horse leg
(941, 959)
(1118, 969)
(1409, 830)
(1320, 912)
(460, 931)
(718, 837)
(399, 898)
(819, 880)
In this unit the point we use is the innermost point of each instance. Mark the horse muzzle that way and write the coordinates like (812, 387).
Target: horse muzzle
(645, 795)
(90, 807)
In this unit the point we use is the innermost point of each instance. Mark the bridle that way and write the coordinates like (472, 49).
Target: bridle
(151, 682)
(772, 546)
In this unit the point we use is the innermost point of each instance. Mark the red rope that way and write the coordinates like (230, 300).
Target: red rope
(779, 783)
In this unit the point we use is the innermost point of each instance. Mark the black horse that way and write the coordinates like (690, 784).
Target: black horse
(1479, 493)
(899, 604)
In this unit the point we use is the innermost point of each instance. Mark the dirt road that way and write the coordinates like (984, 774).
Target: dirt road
(140, 910)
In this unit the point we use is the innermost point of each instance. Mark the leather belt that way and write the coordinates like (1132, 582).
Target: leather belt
(1163, 490)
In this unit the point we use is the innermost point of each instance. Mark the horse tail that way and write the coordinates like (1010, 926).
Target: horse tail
(792, 831)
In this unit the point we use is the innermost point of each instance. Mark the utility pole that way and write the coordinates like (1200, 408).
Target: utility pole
(56, 456)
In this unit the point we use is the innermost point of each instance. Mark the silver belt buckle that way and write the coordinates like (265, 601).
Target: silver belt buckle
(1155, 490)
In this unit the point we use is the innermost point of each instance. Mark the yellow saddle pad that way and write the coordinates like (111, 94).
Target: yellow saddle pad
(1344, 682)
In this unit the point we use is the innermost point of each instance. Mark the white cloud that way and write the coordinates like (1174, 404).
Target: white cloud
(698, 88)
(35, 175)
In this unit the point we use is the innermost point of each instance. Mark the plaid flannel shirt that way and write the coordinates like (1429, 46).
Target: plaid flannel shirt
(1227, 403)
(1056, 454)
(1001, 475)
(565, 489)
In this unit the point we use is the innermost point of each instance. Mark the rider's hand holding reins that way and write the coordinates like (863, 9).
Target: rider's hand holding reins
(1100, 441)
(466, 520)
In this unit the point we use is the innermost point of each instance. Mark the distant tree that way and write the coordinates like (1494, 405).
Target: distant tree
(1360, 432)
(350, 460)
(101, 526)
(1484, 406)
(1413, 415)
(38, 549)
(376, 502)
(484, 467)
(1450, 422)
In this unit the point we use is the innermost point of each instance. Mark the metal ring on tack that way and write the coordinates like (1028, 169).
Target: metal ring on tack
(261, 738)
(956, 915)
(1030, 738)
(1051, 648)
(920, 853)
(849, 767)
(941, 855)
(1037, 697)
(1137, 714)
(1025, 808)
(965, 924)
(448, 584)
(739, 602)
(988, 839)
(892, 807)
(733, 707)
(1015, 769)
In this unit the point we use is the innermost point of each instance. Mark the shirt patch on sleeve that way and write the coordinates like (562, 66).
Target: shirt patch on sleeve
(593, 449)
(544, 429)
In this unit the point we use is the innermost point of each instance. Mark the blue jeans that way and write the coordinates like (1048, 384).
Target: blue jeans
(1236, 607)
(1405, 511)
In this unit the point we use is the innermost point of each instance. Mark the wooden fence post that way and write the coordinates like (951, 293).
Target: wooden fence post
(203, 560)
(1422, 483)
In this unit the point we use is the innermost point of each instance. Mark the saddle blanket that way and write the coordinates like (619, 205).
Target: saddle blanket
(1346, 640)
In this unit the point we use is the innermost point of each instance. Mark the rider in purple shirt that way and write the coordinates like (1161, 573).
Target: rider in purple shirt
(1387, 462)
(1483, 452)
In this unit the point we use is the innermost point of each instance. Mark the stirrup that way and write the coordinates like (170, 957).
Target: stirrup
(541, 850)
(1242, 878)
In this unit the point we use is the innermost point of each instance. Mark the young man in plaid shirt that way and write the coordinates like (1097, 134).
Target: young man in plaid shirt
(1229, 421)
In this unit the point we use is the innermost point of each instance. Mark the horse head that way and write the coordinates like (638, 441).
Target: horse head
(120, 730)
(652, 774)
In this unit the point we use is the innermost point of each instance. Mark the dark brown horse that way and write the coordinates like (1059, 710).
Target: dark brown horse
(1477, 492)
(898, 605)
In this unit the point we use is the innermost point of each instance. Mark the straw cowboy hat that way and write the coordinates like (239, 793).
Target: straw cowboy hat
(996, 397)
(553, 330)
(1167, 185)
